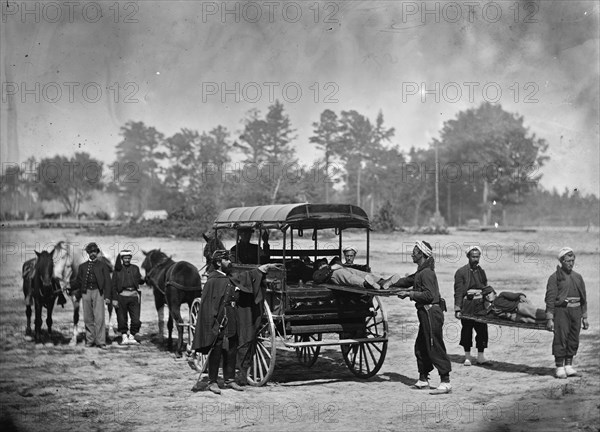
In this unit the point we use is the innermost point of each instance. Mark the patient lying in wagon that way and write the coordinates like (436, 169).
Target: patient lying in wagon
(507, 305)
(338, 274)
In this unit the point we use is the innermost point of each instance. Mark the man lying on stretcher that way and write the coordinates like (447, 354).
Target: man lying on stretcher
(508, 305)
(338, 274)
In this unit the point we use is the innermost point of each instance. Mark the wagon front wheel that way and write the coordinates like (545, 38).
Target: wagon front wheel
(364, 359)
(198, 359)
(308, 355)
(262, 351)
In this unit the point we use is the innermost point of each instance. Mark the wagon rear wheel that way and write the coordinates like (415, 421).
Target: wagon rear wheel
(307, 355)
(199, 359)
(262, 351)
(366, 358)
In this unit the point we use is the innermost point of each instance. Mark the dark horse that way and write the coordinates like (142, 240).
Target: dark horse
(173, 284)
(213, 243)
(41, 288)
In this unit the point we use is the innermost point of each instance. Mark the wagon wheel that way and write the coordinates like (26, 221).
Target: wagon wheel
(262, 351)
(366, 358)
(307, 355)
(199, 359)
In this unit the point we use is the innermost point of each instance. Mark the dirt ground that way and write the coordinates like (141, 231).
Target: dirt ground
(145, 388)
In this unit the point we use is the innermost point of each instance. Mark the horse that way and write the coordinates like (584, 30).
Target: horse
(66, 266)
(173, 284)
(41, 289)
(213, 243)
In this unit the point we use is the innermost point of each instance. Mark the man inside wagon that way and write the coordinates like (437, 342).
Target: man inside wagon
(250, 253)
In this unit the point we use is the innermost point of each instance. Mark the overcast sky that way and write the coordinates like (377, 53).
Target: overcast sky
(78, 73)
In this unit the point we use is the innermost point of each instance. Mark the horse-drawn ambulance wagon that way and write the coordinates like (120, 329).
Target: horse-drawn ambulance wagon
(298, 312)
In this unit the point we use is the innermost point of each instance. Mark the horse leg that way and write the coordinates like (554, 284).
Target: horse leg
(179, 321)
(49, 317)
(170, 330)
(111, 331)
(38, 321)
(76, 304)
(28, 302)
(161, 322)
(28, 314)
(112, 316)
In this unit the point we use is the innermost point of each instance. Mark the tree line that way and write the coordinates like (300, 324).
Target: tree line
(484, 165)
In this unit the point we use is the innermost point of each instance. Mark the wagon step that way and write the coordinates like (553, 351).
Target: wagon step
(334, 342)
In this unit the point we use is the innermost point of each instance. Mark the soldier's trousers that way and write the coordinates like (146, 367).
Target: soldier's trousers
(567, 324)
(229, 356)
(466, 335)
(429, 346)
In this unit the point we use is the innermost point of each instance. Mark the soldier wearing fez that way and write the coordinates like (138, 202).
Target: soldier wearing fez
(470, 277)
(566, 312)
(430, 349)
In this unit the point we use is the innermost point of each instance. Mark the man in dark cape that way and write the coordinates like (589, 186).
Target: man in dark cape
(230, 313)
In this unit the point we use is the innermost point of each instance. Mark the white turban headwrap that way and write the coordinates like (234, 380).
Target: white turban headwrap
(350, 248)
(125, 252)
(423, 248)
(472, 248)
(564, 251)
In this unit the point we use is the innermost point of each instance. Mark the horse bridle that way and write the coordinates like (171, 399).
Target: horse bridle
(155, 268)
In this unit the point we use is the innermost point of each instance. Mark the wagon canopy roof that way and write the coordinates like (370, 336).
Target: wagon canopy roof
(300, 215)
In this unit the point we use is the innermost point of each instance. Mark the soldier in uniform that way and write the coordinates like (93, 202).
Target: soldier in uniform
(126, 296)
(429, 346)
(350, 253)
(470, 277)
(566, 312)
(224, 325)
(93, 280)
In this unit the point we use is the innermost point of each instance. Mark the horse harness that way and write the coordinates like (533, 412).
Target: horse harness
(159, 270)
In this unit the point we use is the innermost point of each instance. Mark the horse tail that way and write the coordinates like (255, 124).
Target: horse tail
(28, 269)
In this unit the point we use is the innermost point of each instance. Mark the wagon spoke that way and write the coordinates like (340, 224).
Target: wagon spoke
(365, 356)
(307, 355)
(372, 354)
(360, 356)
(254, 361)
(263, 352)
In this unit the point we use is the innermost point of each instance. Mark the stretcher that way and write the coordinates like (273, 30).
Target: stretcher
(538, 325)
(361, 290)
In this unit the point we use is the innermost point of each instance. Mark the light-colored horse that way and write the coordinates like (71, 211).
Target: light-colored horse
(66, 264)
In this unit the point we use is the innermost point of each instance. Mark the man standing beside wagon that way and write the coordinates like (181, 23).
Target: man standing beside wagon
(430, 349)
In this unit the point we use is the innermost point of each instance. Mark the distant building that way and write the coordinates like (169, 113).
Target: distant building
(99, 203)
(153, 215)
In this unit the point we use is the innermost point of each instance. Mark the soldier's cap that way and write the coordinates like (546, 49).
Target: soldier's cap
(564, 251)
(92, 247)
(487, 290)
(474, 248)
(350, 249)
(220, 254)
